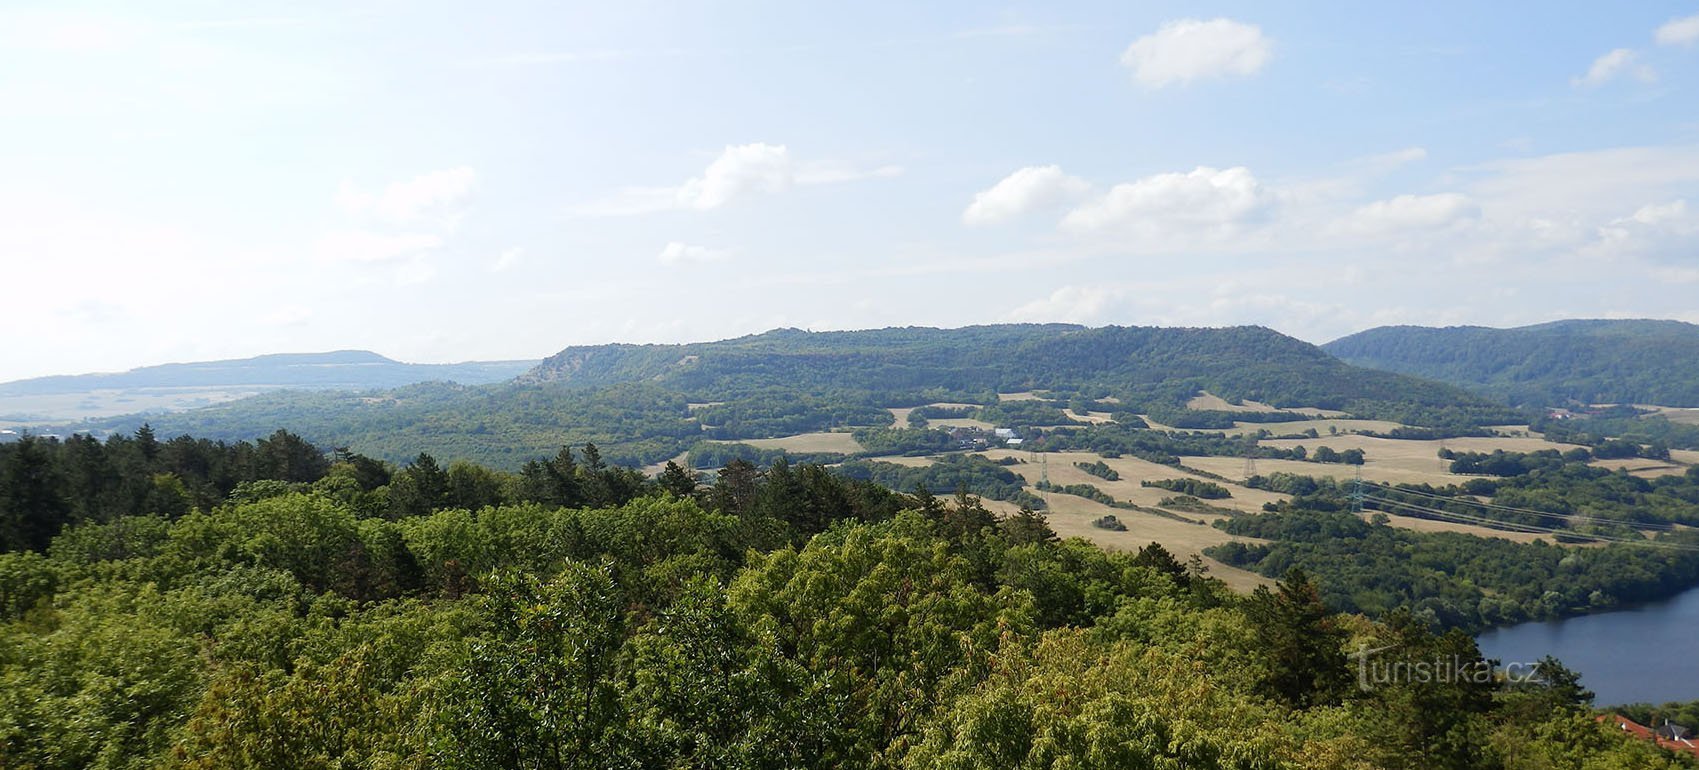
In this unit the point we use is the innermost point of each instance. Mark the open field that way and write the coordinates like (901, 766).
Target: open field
(1072, 516)
(1323, 426)
(1206, 400)
(1025, 395)
(1389, 461)
(809, 442)
(1132, 470)
(1647, 469)
(1684, 415)
(1415, 524)
(901, 413)
(912, 462)
(656, 468)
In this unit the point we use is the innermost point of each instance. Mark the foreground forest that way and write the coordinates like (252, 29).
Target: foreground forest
(267, 605)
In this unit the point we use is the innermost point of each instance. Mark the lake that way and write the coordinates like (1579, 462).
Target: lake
(1645, 653)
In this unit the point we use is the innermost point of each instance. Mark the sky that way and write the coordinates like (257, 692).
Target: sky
(453, 181)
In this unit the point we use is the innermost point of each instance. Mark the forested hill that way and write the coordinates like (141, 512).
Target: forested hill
(1142, 365)
(1586, 361)
(342, 369)
(646, 403)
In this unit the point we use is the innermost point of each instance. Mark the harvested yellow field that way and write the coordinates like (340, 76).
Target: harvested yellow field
(1072, 516)
(1095, 418)
(651, 470)
(1025, 395)
(1648, 469)
(1132, 470)
(901, 413)
(1685, 415)
(810, 442)
(1415, 524)
(1325, 426)
(1687, 456)
(912, 462)
(1206, 400)
(1389, 461)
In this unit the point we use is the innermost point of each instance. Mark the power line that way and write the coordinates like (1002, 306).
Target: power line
(1653, 525)
(1526, 528)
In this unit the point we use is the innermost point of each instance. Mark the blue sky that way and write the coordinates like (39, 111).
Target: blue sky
(438, 181)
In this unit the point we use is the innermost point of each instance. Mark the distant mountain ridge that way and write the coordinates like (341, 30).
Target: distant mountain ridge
(1169, 364)
(1551, 364)
(340, 369)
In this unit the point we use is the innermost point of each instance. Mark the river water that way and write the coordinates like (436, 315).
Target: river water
(1648, 653)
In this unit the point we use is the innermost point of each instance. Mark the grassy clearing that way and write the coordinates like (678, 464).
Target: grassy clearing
(1025, 395)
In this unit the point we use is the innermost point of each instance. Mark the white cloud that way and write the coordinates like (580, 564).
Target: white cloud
(1070, 304)
(508, 260)
(1609, 66)
(739, 172)
(367, 246)
(1189, 49)
(676, 252)
(1389, 161)
(1658, 231)
(1030, 189)
(1412, 212)
(1205, 202)
(1683, 31)
(406, 202)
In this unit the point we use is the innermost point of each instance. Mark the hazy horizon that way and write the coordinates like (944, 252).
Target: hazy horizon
(200, 181)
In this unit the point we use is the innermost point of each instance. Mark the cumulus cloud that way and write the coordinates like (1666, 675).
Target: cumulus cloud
(1030, 189)
(366, 246)
(1412, 212)
(507, 260)
(1189, 49)
(1203, 202)
(1683, 31)
(677, 252)
(1660, 231)
(1612, 65)
(1070, 304)
(429, 194)
(739, 172)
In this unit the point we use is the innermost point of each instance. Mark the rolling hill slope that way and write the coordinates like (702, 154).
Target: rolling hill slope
(636, 400)
(1585, 361)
